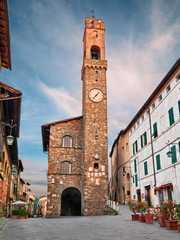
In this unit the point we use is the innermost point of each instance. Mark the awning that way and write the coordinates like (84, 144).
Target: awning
(19, 203)
(164, 186)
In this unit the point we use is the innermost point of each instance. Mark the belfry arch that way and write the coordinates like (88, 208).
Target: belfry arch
(71, 202)
(95, 52)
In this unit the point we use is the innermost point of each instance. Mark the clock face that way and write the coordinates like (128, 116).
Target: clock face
(96, 95)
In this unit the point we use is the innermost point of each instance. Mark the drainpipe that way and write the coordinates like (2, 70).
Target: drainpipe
(152, 149)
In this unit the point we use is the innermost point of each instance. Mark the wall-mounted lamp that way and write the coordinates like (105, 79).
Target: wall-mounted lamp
(10, 138)
(124, 171)
(170, 153)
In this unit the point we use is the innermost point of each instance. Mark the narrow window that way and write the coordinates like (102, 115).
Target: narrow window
(153, 105)
(126, 147)
(160, 97)
(179, 106)
(96, 72)
(155, 134)
(145, 168)
(143, 118)
(136, 143)
(133, 179)
(95, 52)
(66, 168)
(133, 148)
(67, 141)
(138, 122)
(96, 165)
(145, 138)
(92, 24)
(158, 162)
(168, 88)
(174, 157)
(141, 141)
(135, 166)
(171, 116)
(136, 180)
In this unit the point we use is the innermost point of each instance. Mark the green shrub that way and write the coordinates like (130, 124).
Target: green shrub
(20, 212)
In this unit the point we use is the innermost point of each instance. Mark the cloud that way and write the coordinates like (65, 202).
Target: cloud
(63, 100)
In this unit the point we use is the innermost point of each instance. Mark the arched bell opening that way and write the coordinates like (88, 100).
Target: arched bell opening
(95, 52)
(71, 202)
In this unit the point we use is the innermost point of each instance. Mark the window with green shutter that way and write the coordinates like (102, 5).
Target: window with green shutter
(158, 162)
(135, 166)
(136, 143)
(179, 106)
(155, 134)
(141, 141)
(133, 179)
(133, 149)
(145, 168)
(179, 146)
(174, 158)
(145, 138)
(136, 180)
(171, 116)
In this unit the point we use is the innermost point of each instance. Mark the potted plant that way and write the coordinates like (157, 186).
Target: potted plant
(178, 215)
(132, 204)
(141, 208)
(149, 216)
(19, 214)
(15, 214)
(170, 214)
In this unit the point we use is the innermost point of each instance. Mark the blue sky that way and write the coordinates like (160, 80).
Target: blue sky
(142, 43)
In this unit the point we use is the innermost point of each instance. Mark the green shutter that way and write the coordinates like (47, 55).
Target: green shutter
(158, 162)
(174, 158)
(133, 149)
(145, 138)
(135, 167)
(133, 179)
(145, 168)
(141, 141)
(171, 116)
(136, 146)
(136, 181)
(179, 106)
(155, 134)
(179, 147)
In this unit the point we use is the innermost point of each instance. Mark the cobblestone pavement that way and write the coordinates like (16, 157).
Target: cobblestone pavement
(83, 228)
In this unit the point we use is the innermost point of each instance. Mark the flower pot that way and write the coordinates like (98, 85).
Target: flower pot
(142, 218)
(149, 218)
(14, 216)
(178, 227)
(171, 224)
(161, 220)
(135, 217)
(22, 216)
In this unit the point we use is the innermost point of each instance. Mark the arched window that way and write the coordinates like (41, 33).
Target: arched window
(66, 167)
(95, 52)
(67, 141)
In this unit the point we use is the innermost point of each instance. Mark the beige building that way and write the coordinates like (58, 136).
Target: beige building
(42, 205)
(120, 169)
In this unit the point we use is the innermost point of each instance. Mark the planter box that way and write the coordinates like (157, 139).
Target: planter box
(171, 224)
(26, 216)
(22, 216)
(14, 216)
(178, 226)
(135, 217)
(142, 218)
(161, 220)
(149, 218)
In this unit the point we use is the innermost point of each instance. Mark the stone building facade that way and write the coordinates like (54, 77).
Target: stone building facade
(77, 147)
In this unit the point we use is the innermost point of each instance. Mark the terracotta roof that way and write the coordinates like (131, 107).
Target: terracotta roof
(46, 128)
(5, 35)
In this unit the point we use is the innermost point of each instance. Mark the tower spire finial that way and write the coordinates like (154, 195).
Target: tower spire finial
(93, 13)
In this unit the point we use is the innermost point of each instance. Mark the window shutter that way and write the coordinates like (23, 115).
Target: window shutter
(158, 163)
(179, 106)
(133, 179)
(136, 146)
(136, 182)
(174, 158)
(145, 168)
(155, 130)
(141, 141)
(171, 116)
(135, 167)
(133, 149)
(145, 138)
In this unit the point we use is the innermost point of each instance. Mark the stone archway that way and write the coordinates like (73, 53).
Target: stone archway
(71, 202)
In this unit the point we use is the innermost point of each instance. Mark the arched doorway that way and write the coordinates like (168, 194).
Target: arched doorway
(71, 202)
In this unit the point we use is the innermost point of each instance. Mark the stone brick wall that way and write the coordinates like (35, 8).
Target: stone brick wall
(57, 181)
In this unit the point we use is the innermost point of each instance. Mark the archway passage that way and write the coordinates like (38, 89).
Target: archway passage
(71, 202)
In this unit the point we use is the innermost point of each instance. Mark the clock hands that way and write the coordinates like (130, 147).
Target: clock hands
(95, 95)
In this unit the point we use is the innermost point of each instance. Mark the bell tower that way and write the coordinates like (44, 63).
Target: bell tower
(95, 155)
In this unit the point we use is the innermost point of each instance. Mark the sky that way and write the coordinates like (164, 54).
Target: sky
(142, 43)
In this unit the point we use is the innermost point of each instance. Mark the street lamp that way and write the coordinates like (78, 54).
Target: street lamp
(10, 138)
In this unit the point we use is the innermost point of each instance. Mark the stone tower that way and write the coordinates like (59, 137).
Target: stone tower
(77, 147)
(94, 118)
